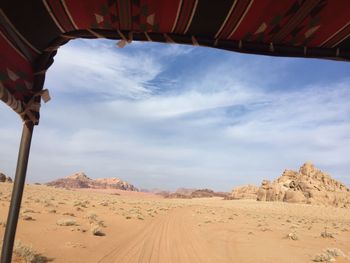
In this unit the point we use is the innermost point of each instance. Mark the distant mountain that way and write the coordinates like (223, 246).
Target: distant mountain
(81, 180)
(188, 193)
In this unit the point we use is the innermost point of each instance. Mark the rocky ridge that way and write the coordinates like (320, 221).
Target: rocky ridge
(188, 193)
(81, 180)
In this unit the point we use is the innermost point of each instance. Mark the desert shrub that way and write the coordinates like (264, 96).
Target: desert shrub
(27, 253)
(100, 223)
(329, 255)
(81, 203)
(67, 222)
(292, 236)
(27, 217)
(335, 252)
(68, 214)
(92, 217)
(27, 210)
(326, 234)
(96, 231)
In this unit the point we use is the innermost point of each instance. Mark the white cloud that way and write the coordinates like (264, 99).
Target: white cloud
(110, 73)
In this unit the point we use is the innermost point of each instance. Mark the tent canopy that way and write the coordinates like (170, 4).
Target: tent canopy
(32, 31)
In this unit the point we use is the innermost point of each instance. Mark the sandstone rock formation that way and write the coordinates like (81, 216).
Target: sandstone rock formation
(115, 183)
(5, 179)
(310, 185)
(81, 180)
(244, 192)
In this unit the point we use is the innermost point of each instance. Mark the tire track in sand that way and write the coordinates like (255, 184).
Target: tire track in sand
(167, 238)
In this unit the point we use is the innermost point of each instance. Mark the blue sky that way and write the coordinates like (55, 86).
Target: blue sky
(168, 116)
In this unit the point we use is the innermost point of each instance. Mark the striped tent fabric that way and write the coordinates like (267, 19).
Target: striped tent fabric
(32, 31)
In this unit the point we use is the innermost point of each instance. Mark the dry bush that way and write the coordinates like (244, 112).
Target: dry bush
(292, 236)
(326, 234)
(68, 214)
(81, 203)
(92, 217)
(27, 253)
(67, 222)
(27, 218)
(329, 255)
(96, 231)
(27, 210)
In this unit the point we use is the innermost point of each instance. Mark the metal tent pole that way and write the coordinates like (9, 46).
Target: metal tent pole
(17, 191)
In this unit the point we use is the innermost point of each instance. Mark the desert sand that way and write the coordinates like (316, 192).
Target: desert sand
(60, 224)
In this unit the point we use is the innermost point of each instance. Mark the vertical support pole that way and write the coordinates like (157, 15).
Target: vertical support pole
(17, 192)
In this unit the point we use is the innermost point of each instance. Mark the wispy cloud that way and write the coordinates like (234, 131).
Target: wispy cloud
(106, 73)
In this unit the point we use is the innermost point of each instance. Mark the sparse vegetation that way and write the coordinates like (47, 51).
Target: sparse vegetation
(329, 255)
(92, 217)
(67, 222)
(84, 203)
(326, 234)
(68, 214)
(96, 231)
(292, 236)
(27, 210)
(27, 253)
(27, 217)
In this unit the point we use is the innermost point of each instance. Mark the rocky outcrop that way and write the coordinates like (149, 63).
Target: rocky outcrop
(5, 179)
(310, 185)
(114, 183)
(244, 192)
(270, 191)
(81, 180)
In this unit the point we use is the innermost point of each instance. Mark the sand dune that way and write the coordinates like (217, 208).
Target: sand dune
(134, 228)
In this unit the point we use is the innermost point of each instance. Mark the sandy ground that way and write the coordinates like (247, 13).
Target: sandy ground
(147, 228)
